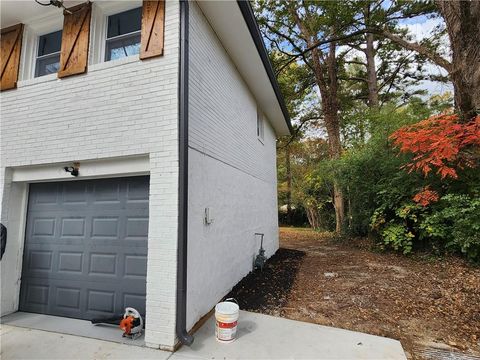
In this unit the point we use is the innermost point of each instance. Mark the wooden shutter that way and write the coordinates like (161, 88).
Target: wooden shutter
(75, 39)
(153, 28)
(11, 44)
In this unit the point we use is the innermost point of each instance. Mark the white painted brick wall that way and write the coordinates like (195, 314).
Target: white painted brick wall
(111, 111)
(231, 172)
(222, 109)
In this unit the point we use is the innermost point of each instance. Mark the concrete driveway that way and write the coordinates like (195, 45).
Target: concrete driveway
(259, 337)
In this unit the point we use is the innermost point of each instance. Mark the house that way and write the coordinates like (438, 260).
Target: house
(137, 158)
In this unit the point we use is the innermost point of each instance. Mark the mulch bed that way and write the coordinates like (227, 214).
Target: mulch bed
(266, 291)
(420, 300)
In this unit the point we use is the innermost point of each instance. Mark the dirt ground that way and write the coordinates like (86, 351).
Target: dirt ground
(426, 303)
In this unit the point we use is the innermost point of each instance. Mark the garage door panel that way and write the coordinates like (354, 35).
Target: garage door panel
(75, 193)
(106, 192)
(68, 297)
(45, 195)
(101, 301)
(44, 226)
(136, 192)
(135, 266)
(73, 227)
(86, 247)
(40, 260)
(128, 282)
(134, 300)
(136, 227)
(70, 262)
(37, 296)
(103, 264)
(105, 227)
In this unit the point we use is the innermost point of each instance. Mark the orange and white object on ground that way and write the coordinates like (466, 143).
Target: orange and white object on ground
(226, 316)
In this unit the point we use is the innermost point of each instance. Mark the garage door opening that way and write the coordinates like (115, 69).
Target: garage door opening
(85, 253)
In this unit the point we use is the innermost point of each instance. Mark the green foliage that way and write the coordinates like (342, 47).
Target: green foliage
(398, 227)
(380, 192)
(398, 237)
(311, 184)
(454, 222)
(370, 169)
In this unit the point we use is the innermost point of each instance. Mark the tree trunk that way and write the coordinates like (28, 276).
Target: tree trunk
(327, 81)
(350, 212)
(463, 26)
(339, 207)
(371, 72)
(326, 77)
(335, 148)
(289, 184)
(313, 217)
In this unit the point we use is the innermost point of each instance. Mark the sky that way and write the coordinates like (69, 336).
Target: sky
(420, 28)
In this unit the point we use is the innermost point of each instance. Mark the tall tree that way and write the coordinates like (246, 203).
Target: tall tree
(312, 33)
(382, 70)
(300, 25)
(462, 20)
(463, 25)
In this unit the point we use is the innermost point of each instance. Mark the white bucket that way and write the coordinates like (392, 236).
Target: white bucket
(226, 315)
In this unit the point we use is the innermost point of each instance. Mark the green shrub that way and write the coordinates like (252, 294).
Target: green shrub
(398, 237)
(379, 192)
(396, 227)
(454, 223)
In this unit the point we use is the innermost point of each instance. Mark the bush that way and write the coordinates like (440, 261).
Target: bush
(397, 228)
(371, 173)
(398, 237)
(454, 223)
(418, 209)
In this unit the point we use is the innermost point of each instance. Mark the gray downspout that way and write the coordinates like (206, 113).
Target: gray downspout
(181, 312)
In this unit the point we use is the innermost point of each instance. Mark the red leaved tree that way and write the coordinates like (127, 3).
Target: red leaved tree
(440, 143)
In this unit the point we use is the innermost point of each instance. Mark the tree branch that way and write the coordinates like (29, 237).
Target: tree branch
(355, 62)
(419, 48)
(317, 44)
(303, 121)
(356, 78)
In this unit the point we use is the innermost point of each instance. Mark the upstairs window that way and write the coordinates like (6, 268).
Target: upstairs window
(260, 126)
(48, 55)
(123, 34)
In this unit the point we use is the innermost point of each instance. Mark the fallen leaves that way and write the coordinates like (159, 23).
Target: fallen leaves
(412, 299)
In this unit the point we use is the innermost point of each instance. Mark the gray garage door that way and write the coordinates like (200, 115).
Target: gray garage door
(85, 250)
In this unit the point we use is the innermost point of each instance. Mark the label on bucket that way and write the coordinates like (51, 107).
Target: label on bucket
(226, 331)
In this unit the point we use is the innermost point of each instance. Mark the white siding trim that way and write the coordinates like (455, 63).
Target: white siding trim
(116, 167)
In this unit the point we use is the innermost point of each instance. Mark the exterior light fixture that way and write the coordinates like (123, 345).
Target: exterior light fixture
(57, 3)
(73, 170)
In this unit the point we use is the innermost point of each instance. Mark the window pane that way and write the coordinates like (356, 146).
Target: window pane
(49, 43)
(125, 22)
(117, 49)
(49, 65)
(260, 126)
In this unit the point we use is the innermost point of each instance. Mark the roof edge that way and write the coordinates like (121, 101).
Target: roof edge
(251, 21)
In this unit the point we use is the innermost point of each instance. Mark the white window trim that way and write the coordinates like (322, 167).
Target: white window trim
(46, 24)
(98, 32)
(30, 42)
